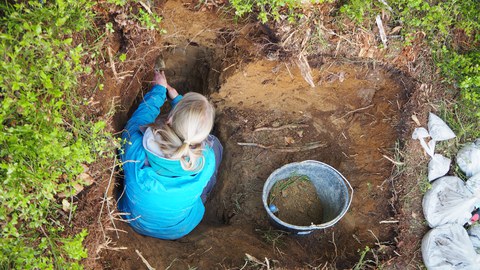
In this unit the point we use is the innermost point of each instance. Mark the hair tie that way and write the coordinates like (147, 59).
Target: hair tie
(186, 142)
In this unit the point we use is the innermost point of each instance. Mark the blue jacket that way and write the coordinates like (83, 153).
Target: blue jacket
(162, 199)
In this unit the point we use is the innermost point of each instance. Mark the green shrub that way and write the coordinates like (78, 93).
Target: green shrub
(272, 9)
(464, 71)
(452, 28)
(43, 140)
(358, 10)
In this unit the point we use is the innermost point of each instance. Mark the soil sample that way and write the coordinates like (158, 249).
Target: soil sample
(297, 201)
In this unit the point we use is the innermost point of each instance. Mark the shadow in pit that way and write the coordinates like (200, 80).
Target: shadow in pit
(189, 68)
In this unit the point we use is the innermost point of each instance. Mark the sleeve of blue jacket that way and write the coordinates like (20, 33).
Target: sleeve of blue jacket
(148, 110)
(160, 199)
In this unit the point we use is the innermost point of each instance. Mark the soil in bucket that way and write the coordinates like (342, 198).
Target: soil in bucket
(297, 201)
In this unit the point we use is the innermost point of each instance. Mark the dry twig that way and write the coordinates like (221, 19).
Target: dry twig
(356, 110)
(393, 161)
(253, 259)
(147, 8)
(134, 75)
(305, 69)
(105, 200)
(388, 221)
(112, 63)
(107, 246)
(281, 127)
(381, 30)
(171, 263)
(334, 245)
(291, 149)
(144, 260)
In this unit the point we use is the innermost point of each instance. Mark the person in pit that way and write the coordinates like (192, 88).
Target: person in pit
(170, 165)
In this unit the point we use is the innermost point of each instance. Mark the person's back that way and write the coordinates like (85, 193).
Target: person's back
(169, 168)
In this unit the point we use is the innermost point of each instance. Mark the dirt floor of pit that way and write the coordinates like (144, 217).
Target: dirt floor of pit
(351, 118)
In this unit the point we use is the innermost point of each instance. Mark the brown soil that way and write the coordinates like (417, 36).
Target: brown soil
(355, 115)
(297, 201)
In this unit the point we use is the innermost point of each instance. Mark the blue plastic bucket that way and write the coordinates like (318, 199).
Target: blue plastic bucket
(332, 190)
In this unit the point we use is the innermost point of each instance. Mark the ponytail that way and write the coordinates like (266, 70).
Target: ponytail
(190, 158)
(184, 138)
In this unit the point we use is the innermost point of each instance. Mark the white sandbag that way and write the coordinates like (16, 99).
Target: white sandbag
(448, 201)
(438, 129)
(438, 167)
(449, 247)
(474, 235)
(473, 183)
(468, 158)
(420, 134)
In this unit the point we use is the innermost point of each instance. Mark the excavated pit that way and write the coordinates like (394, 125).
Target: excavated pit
(352, 115)
(192, 68)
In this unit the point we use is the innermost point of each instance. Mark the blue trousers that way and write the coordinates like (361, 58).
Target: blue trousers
(218, 150)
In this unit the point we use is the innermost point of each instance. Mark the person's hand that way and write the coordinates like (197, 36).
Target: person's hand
(172, 92)
(160, 79)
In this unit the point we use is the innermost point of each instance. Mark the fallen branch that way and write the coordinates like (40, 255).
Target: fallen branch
(144, 260)
(291, 149)
(281, 127)
(357, 110)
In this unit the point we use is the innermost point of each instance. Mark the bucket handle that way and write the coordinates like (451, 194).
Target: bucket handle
(351, 195)
(334, 221)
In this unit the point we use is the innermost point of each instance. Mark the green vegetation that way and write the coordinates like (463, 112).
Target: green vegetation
(273, 237)
(272, 9)
(146, 18)
(44, 137)
(363, 262)
(150, 21)
(451, 28)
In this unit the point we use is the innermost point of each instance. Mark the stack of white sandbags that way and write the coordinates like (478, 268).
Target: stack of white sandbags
(449, 204)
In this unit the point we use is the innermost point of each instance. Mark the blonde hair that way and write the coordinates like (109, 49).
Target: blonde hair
(183, 135)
